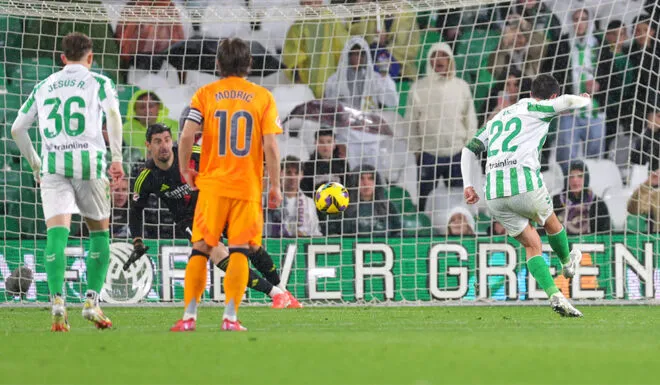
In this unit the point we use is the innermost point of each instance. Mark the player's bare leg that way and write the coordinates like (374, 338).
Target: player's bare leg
(270, 284)
(58, 235)
(193, 286)
(97, 263)
(537, 267)
(559, 243)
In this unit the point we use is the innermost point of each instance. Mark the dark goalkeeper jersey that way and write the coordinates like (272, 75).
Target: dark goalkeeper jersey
(171, 188)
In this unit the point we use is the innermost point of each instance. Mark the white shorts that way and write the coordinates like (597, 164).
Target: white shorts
(90, 198)
(514, 213)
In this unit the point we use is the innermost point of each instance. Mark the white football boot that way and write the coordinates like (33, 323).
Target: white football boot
(562, 306)
(575, 257)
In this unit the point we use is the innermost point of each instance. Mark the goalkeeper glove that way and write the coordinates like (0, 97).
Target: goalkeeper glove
(138, 251)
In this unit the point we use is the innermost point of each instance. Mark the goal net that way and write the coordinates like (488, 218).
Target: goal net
(381, 96)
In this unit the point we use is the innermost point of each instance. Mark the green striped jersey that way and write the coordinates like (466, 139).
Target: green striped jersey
(70, 106)
(513, 140)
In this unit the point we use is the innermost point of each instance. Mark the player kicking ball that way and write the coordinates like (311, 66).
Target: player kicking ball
(69, 106)
(515, 193)
(239, 123)
(161, 177)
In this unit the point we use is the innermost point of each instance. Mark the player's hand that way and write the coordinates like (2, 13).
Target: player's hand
(586, 95)
(138, 251)
(471, 196)
(274, 198)
(116, 171)
(189, 175)
(37, 176)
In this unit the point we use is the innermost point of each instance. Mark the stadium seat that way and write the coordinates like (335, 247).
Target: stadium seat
(198, 79)
(603, 173)
(10, 103)
(30, 72)
(290, 96)
(637, 224)
(638, 174)
(616, 199)
(553, 179)
(473, 47)
(400, 198)
(149, 81)
(242, 29)
(417, 224)
(292, 146)
(176, 98)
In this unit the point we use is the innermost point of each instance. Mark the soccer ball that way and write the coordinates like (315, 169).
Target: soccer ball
(331, 198)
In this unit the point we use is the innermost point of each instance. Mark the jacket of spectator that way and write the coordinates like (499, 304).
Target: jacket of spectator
(135, 125)
(440, 111)
(578, 208)
(645, 201)
(540, 16)
(520, 47)
(317, 171)
(312, 50)
(645, 56)
(358, 85)
(648, 147)
(148, 38)
(399, 34)
(370, 213)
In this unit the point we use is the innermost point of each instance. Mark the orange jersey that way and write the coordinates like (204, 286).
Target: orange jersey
(235, 114)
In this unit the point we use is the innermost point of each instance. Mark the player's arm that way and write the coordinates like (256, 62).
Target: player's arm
(186, 142)
(470, 164)
(272, 154)
(19, 131)
(567, 102)
(141, 192)
(110, 106)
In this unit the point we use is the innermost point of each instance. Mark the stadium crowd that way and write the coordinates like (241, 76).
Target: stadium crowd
(432, 80)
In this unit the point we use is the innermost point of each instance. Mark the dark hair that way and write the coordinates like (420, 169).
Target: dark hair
(323, 132)
(614, 24)
(579, 166)
(291, 162)
(157, 128)
(76, 45)
(234, 57)
(151, 95)
(544, 86)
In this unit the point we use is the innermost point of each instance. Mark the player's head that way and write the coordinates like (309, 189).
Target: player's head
(578, 176)
(325, 143)
(159, 142)
(77, 49)
(291, 174)
(234, 57)
(147, 108)
(545, 87)
(120, 193)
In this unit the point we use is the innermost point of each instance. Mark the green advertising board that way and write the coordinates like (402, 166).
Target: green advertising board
(352, 270)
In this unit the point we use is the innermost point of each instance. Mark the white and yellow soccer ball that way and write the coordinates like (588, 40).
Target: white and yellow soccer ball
(331, 198)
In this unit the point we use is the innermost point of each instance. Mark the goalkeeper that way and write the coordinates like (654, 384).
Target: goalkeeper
(161, 177)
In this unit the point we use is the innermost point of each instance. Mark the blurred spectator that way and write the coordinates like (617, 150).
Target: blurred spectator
(397, 34)
(520, 48)
(460, 222)
(144, 45)
(496, 228)
(144, 109)
(297, 217)
(119, 216)
(312, 49)
(324, 165)
(648, 147)
(575, 69)
(616, 80)
(370, 213)
(539, 16)
(357, 84)
(442, 119)
(645, 56)
(645, 201)
(506, 93)
(578, 208)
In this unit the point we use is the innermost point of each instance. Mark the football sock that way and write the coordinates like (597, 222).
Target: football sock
(255, 281)
(98, 259)
(541, 273)
(194, 283)
(236, 281)
(55, 262)
(559, 243)
(264, 264)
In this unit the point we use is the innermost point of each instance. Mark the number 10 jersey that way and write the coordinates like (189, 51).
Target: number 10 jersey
(70, 106)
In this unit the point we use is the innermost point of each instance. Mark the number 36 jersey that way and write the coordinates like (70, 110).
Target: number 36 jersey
(513, 140)
(235, 114)
(70, 105)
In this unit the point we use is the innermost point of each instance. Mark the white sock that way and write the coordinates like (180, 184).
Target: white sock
(282, 287)
(275, 291)
(230, 311)
(191, 311)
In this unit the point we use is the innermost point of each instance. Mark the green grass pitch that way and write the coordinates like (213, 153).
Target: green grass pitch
(365, 345)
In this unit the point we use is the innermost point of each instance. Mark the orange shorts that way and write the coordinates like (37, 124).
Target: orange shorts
(243, 220)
